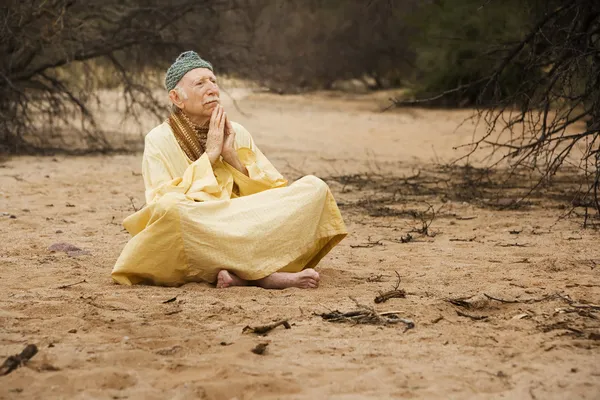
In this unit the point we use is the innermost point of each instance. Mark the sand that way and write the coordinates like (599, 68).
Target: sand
(100, 340)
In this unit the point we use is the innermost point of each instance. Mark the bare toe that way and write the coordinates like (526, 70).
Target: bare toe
(227, 279)
(224, 279)
(308, 279)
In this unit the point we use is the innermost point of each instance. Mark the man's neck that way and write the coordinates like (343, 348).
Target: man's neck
(200, 121)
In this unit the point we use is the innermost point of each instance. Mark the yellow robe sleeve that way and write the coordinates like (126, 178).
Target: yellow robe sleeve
(262, 175)
(200, 182)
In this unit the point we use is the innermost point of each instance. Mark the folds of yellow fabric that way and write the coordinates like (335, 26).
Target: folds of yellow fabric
(194, 227)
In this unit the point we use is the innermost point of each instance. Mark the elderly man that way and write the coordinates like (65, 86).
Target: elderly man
(217, 210)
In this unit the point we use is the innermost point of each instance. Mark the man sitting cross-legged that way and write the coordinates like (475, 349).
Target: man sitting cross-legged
(217, 209)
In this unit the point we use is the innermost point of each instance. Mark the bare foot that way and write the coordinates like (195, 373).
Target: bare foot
(307, 279)
(226, 279)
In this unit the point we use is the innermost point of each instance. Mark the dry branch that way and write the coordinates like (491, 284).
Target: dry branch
(13, 362)
(394, 293)
(264, 329)
(367, 315)
(71, 284)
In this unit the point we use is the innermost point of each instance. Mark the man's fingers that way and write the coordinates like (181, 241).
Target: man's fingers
(213, 116)
(222, 121)
(229, 129)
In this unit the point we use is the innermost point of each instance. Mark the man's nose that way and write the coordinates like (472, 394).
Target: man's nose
(213, 89)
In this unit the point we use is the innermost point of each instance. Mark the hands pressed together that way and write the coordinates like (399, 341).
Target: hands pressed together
(221, 135)
(221, 138)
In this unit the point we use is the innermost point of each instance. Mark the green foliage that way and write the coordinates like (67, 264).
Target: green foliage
(459, 42)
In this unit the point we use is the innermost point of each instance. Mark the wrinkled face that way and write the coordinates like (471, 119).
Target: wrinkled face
(198, 94)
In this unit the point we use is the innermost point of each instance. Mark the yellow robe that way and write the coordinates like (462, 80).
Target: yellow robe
(195, 223)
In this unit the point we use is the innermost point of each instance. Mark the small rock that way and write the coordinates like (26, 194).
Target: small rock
(25, 210)
(73, 330)
(13, 217)
(260, 348)
(59, 231)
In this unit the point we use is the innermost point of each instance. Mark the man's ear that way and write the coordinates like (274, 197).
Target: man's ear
(176, 99)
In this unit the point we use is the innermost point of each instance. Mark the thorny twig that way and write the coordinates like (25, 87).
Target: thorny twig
(367, 315)
(394, 293)
(367, 245)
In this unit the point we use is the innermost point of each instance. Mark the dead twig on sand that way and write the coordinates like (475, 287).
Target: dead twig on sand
(375, 278)
(425, 221)
(368, 245)
(469, 302)
(71, 284)
(263, 330)
(172, 299)
(559, 326)
(394, 293)
(555, 296)
(14, 362)
(406, 239)
(135, 209)
(586, 306)
(460, 302)
(473, 317)
(368, 316)
(512, 245)
(501, 300)
(463, 240)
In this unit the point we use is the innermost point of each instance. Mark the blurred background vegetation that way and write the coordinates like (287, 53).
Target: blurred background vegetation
(538, 57)
(61, 51)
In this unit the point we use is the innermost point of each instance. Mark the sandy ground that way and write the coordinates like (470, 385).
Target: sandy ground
(100, 340)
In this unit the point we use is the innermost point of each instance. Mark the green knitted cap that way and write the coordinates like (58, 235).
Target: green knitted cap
(186, 61)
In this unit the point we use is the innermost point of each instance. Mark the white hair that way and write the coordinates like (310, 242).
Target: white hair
(181, 92)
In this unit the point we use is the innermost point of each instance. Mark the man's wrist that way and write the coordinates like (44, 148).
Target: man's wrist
(212, 156)
(229, 156)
